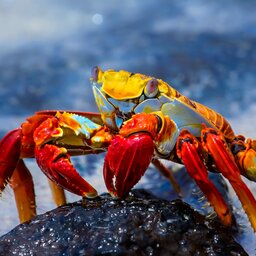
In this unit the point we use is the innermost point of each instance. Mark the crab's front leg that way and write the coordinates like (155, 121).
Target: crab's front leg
(61, 136)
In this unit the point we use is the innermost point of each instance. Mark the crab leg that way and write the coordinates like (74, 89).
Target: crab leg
(13, 170)
(9, 155)
(245, 156)
(216, 145)
(168, 174)
(58, 193)
(189, 152)
(23, 187)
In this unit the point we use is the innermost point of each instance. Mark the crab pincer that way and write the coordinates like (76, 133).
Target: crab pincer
(126, 162)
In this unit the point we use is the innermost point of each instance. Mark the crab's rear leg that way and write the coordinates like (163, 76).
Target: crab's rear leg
(23, 187)
(245, 156)
(189, 151)
(215, 143)
(10, 150)
(166, 172)
(14, 171)
(58, 194)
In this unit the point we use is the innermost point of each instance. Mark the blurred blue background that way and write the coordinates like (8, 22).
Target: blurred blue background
(206, 49)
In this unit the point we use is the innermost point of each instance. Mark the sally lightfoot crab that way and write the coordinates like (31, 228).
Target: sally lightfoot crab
(142, 119)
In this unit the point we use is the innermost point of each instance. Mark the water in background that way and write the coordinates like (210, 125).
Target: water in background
(47, 48)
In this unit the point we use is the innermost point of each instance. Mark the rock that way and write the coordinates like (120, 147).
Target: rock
(140, 225)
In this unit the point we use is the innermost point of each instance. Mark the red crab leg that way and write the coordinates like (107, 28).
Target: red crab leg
(216, 145)
(189, 152)
(55, 163)
(13, 169)
(9, 155)
(22, 184)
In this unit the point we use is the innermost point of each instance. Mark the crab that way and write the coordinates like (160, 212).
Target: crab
(141, 120)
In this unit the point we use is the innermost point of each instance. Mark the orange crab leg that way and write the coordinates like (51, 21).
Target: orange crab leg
(58, 193)
(23, 187)
(168, 174)
(188, 152)
(216, 145)
(55, 163)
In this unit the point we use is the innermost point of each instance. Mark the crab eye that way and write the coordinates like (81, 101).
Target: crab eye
(95, 73)
(151, 88)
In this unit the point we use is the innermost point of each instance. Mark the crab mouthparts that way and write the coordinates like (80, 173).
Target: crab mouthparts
(124, 115)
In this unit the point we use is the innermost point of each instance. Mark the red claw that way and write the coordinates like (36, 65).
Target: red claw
(55, 163)
(126, 162)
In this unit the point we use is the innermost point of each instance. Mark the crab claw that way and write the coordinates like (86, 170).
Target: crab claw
(126, 162)
(55, 163)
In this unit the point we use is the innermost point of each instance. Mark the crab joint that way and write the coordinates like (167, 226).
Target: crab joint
(150, 123)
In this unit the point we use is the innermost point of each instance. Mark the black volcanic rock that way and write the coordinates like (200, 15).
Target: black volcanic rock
(139, 225)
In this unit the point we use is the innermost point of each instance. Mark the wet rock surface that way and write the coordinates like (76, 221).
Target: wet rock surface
(140, 225)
